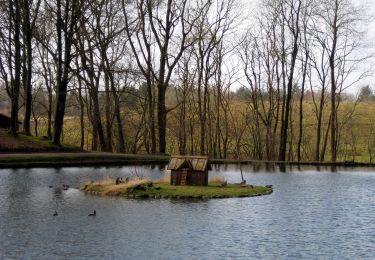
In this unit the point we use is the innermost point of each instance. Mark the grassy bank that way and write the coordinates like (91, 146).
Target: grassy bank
(30, 144)
(148, 189)
(94, 159)
(34, 160)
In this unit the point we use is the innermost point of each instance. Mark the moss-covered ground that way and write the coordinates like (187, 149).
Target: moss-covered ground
(28, 144)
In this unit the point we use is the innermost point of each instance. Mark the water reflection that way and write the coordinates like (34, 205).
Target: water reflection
(284, 168)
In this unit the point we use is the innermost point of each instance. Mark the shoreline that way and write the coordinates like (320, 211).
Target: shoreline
(145, 189)
(98, 159)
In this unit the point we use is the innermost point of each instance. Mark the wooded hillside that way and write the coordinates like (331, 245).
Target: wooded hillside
(192, 77)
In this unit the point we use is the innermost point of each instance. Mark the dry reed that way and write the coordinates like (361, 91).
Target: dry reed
(166, 178)
(108, 186)
(217, 180)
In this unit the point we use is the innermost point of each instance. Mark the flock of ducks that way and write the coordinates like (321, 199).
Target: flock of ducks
(90, 215)
(66, 187)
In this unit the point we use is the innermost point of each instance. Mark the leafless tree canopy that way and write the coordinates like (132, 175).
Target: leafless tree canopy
(184, 76)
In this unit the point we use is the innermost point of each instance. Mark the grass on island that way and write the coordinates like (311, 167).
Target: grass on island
(143, 188)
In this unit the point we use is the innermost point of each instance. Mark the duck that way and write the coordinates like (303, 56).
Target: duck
(92, 214)
(55, 214)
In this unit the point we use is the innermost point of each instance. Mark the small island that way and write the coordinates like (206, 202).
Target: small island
(188, 180)
(143, 188)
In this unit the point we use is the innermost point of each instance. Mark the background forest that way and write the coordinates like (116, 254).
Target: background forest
(267, 81)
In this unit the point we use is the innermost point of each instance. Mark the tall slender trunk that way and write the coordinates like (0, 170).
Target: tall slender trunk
(81, 113)
(333, 87)
(116, 95)
(63, 64)
(27, 72)
(162, 118)
(300, 134)
(325, 142)
(319, 126)
(16, 14)
(108, 117)
(151, 114)
(120, 132)
(97, 121)
(284, 133)
(285, 127)
(192, 143)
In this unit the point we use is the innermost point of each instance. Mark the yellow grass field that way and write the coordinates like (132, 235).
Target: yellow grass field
(356, 133)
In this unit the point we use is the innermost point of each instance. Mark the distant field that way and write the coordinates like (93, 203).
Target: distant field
(356, 133)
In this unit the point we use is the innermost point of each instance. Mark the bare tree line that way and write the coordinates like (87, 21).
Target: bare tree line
(158, 76)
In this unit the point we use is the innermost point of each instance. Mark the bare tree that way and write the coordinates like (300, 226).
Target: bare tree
(12, 75)
(156, 26)
(28, 25)
(66, 19)
(338, 26)
(291, 12)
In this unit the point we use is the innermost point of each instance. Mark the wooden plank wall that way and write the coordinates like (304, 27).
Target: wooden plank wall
(193, 178)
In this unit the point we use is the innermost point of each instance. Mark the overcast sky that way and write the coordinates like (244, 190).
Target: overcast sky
(369, 40)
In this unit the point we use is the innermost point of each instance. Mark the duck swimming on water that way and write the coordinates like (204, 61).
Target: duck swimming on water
(92, 214)
(55, 214)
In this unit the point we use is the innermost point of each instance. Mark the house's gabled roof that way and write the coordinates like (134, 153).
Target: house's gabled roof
(196, 163)
(6, 119)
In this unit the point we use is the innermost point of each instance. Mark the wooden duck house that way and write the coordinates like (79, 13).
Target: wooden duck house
(189, 170)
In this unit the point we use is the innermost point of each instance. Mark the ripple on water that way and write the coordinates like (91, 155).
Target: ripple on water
(311, 214)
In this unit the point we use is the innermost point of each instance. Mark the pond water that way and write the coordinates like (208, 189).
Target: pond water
(312, 214)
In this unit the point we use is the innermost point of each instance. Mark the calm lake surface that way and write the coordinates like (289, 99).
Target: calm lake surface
(312, 214)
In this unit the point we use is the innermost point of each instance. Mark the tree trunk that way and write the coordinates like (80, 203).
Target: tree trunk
(81, 113)
(319, 126)
(333, 86)
(284, 132)
(162, 118)
(27, 73)
(108, 117)
(16, 14)
(63, 64)
(300, 134)
(151, 115)
(325, 143)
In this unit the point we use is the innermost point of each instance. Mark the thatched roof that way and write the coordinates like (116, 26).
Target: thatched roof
(196, 163)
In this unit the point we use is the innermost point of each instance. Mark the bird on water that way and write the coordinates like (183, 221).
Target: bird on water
(92, 214)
